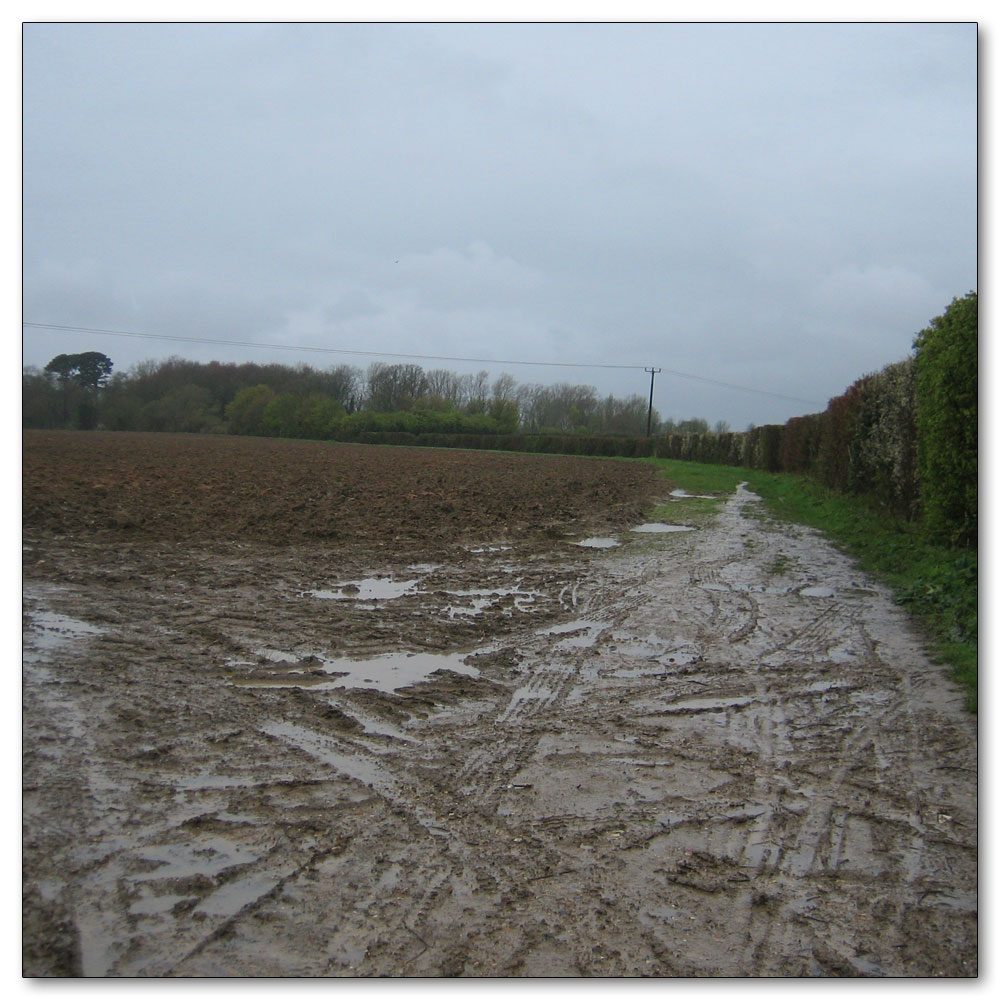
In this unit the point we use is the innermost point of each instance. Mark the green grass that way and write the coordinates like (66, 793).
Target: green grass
(697, 477)
(693, 512)
(937, 584)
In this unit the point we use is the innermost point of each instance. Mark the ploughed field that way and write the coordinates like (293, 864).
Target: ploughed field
(189, 489)
(304, 709)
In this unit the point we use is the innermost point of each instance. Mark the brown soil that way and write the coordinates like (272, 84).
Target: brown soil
(713, 753)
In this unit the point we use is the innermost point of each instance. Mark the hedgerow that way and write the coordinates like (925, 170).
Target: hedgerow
(947, 418)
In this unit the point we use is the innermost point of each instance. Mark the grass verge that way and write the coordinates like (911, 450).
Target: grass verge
(697, 477)
(937, 584)
(700, 480)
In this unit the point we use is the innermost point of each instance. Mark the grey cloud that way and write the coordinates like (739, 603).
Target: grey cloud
(781, 206)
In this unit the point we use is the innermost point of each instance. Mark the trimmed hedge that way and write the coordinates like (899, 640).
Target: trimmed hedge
(947, 419)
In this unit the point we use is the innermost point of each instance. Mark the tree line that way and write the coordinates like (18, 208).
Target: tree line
(177, 395)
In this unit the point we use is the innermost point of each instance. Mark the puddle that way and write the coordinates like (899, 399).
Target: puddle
(50, 632)
(481, 600)
(657, 527)
(475, 607)
(380, 673)
(362, 769)
(746, 588)
(579, 634)
(366, 770)
(951, 899)
(274, 656)
(151, 905)
(488, 548)
(869, 966)
(232, 897)
(373, 588)
(209, 781)
(658, 652)
(817, 592)
(842, 654)
(705, 705)
(373, 724)
(598, 543)
(396, 670)
(822, 687)
(198, 858)
(684, 495)
(635, 647)
(650, 670)
(534, 691)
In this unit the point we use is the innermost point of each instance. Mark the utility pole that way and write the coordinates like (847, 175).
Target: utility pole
(649, 418)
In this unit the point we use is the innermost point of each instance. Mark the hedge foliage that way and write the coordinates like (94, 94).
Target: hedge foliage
(947, 416)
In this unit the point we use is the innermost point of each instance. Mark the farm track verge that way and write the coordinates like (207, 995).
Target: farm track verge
(665, 759)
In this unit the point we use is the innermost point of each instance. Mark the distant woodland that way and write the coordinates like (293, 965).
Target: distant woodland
(81, 392)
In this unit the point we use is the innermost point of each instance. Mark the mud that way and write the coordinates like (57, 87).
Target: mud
(657, 760)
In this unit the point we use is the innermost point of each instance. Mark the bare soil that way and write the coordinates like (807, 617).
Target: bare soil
(296, 709)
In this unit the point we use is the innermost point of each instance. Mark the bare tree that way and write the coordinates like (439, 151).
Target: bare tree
(446, 385)
(394, 387)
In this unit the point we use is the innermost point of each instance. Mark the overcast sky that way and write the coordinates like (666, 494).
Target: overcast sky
(774, 206)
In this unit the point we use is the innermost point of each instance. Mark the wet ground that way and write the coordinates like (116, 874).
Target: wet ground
(716, 752)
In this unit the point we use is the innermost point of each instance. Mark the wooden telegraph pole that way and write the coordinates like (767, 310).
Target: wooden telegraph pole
(649, 418)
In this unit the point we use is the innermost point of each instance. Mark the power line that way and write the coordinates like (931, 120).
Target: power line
(323, 350)
(411, 357)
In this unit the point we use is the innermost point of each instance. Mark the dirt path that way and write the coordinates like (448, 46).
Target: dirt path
(712, 753)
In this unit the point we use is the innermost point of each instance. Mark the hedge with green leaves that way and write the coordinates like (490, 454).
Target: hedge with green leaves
(947, 417)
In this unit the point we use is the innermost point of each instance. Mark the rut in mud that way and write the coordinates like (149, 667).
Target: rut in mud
(719, 752)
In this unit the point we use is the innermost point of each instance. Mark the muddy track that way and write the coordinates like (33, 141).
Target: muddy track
(717, 753)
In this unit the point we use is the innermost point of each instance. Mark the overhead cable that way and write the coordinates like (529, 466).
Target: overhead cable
(410, 357)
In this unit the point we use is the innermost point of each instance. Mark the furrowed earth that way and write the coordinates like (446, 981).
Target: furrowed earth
(305, 709)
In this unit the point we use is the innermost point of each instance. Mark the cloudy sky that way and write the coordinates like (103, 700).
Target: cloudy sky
(775, 207)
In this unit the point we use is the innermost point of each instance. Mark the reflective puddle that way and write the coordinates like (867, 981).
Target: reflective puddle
(396, 670)
(684, 495)
(579, 634)
(598, 543)
(705, 705)
(233, 896)
(475, 602)
(322, 748)
(369, 592)
(276, 655)
(745, 588)
(658, 652)
(657, 527)
(373, 588)
(202, 857)
(822, 687)
(50, 632)
(380, 673)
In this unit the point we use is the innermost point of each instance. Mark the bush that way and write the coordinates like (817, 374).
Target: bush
(884, 461)
(246, 412)
(947, 388)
